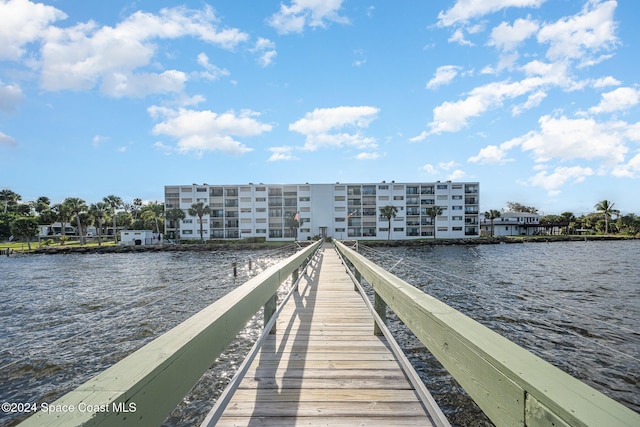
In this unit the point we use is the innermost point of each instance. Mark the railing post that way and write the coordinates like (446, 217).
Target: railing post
(294, 276)
(358, 277)
(269, 310)
(381, 308)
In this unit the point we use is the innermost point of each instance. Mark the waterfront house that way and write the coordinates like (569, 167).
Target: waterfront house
(512, 224)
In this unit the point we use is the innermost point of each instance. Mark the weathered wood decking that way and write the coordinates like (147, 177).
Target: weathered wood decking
(324, 365)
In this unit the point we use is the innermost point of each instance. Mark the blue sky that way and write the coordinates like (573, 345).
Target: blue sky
(535, 99)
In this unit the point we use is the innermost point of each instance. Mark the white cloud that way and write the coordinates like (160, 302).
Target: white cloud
(212, 72)
(119, 85)
(281, 153)
(565, 139)
(533, 101)
(464, 10)
(324, 127)
(7, 140)
(621, 98)
(205, 130)
(569, 140)
(491, 154)
(443, 167)
(456, 175)
(22, 22)
(301, 13)
(629, 170)
(10, 97)
(98, 139)
(81, 56)
(368, 156)
(266, 51)
(554, 181)
(443, 75)
(583, 35)
(507, 37)
(453, 116)
(458, 37)
(606, 81)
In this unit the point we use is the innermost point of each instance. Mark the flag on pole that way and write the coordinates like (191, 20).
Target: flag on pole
(297, 216)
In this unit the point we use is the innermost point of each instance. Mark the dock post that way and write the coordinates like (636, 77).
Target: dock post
(381, 308)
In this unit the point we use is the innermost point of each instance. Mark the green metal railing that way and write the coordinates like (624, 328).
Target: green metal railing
(511, 385)
(143, 388)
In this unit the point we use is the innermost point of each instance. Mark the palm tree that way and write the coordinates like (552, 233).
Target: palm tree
(388, 212)
(567, 217)
(62, 214)
(8, 197)
(99, 210)
(491, 215)
(136, 207)
(114, 202)
(605, 208)
(153, 212)
(177, 215)
(200, 209)
(76, 207)
(433, 212)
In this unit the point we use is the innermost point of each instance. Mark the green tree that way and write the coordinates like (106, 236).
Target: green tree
(388, 212)
(200, 209)
(25, 227)
(629, 224)
(567, 218)
(518, 207)
(491, 215)
(9, 199)
(114, 203)
(62, 214)
(154, 213)
(124, 219)
(43, 207)
(99, 210)
(433, 212)
(76, 206)
(176, 215)
(605, 208)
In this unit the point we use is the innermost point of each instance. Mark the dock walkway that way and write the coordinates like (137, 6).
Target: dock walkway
(324, 365)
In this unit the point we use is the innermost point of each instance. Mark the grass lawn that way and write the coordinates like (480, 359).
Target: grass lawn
(23, 247)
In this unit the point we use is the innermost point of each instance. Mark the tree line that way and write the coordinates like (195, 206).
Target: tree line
(22, 219)
(605, 220)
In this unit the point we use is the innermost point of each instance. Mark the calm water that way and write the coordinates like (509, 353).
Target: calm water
(64, 318)
(575, 304)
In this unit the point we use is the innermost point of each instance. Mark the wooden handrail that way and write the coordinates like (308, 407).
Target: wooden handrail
(511, 385)
(143, 388)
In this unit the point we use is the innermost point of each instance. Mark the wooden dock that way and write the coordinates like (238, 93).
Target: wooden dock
(324, 365)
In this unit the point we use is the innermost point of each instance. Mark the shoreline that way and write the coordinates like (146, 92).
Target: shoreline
(212, 247)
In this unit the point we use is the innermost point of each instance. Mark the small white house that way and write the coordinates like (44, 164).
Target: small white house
(139, 237)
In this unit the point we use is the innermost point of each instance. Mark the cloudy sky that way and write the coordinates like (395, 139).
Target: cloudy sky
(535, 99)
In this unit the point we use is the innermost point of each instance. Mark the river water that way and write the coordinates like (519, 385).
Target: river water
(65, 318)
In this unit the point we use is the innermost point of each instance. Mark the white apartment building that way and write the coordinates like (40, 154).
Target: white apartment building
(340, 210)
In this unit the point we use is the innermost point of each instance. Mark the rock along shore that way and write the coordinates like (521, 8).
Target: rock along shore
(212, 247)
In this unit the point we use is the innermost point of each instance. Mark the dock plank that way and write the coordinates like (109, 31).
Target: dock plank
(324, 366)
